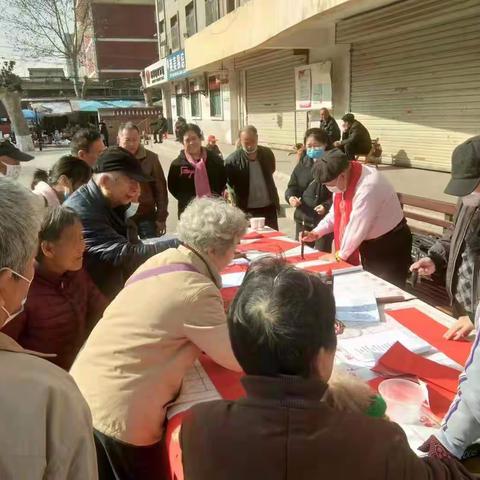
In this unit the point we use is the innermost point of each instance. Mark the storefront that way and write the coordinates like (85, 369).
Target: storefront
(414, 77)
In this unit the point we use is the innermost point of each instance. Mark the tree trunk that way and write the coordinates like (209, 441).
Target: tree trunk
(11, 101)
(77, 85)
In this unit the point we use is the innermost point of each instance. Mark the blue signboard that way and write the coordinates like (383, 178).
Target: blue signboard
(176, 65)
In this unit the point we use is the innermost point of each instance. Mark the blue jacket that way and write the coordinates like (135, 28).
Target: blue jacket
(110, 257)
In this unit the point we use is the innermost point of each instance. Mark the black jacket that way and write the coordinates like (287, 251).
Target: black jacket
(304, 186)
(238, 175)
(357, 139)
(332, 129)
(181, 181)
(110, 257)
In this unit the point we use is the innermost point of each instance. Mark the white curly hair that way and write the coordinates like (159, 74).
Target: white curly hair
(211, 224)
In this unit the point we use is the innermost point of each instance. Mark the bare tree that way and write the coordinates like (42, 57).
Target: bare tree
(49, 28)
(10, 96)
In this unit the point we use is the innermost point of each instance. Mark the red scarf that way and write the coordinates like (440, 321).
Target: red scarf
(342, 204)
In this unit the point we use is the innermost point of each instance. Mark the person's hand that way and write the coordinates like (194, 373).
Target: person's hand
(424, 267)
(294, 201)
(460, 329)
(320, 209)
(337, 144)
(309, 237)
(161, 228)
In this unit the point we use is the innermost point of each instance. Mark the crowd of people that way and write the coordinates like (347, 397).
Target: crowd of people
(102, 312)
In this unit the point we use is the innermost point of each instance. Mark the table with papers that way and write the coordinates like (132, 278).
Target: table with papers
(373, 328)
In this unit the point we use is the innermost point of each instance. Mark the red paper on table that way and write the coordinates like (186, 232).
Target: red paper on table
(329, 266)
(255, 235)
(432, 332)
(270, 245)
(243, 267)
(442, 381)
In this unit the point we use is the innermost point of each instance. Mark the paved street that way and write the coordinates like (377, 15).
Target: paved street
(424, 183)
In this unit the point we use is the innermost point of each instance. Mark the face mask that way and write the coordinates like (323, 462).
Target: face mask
(132, 210)
(334, 189)
(250, 150)
(472, 200)
(11, 316)
(13, 171)
(315, 152)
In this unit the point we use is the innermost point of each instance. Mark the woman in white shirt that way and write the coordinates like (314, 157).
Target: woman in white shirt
(366, 218)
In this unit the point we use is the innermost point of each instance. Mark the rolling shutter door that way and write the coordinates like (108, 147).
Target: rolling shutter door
(417, 89)
(270, 102)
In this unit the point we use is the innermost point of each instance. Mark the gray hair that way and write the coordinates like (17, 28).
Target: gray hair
(127, 126)
(20, 216)
(211, 223)
(250, 129)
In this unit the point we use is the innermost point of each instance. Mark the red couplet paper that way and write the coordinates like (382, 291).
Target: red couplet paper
(442, 381)
(255, 235)
(269, 245)
(432, 332)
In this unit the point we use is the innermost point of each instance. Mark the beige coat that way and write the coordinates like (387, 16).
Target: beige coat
(45, 424)
(133, 364)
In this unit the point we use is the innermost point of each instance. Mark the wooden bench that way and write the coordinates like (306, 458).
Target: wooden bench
(438, 214)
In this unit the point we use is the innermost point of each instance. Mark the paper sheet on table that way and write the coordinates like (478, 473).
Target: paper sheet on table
(366, 349)
(232, 279)
(196, 388)
(355, 302)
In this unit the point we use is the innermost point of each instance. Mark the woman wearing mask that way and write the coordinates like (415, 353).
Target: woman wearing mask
(367, 219)
(66, 175)
(196, 172)
(10, 158)
(311, 199)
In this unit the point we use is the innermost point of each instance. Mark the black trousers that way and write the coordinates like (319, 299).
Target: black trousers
(122, 461)
(323, 244)
(389, 256)
(270, 214)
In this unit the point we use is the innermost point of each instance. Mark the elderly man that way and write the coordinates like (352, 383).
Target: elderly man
(250, 172)
(10, 158)
(153, 202)
(111, 256)
(170, 311)
(87, 145)
(329, 124)
(355, 139)
(46, 424)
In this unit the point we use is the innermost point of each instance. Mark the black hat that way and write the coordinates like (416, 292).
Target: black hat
(8, 149)
(465, 168)
(331, 165)
(117, 159)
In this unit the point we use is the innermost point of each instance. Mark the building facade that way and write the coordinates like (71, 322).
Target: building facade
(406, 69)
(120, 39)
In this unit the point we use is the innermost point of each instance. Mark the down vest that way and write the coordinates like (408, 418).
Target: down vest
(110, 256)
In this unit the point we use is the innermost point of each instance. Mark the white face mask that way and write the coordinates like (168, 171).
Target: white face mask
(472, 200)
(334, 189)
(132, 210)
(250, 150)
(12, 171)
(11, 316)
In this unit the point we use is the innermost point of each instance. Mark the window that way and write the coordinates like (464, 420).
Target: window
(194, 102)
(175, 32)
(215, 96)
(190, 19)
(211, 11)
(179, 103)
(161, 27)
(231, 6)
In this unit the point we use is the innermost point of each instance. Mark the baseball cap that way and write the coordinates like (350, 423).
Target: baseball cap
(331, 165)
(465, 168)
(8, 149)
(117, 159)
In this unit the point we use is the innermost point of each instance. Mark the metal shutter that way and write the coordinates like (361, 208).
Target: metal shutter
(270, 102)
(418, 88)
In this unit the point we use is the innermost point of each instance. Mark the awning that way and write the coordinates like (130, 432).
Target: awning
(95, 105)
(52, 108)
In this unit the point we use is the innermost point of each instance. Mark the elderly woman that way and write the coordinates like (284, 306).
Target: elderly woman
(46, 425)
(282, 330)
(196, 172)
(169, 312)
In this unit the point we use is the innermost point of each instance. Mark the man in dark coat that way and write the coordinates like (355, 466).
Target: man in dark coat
(329, 124)
(160, 129)
(250, 172)
(355, 139)
(111, 257)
